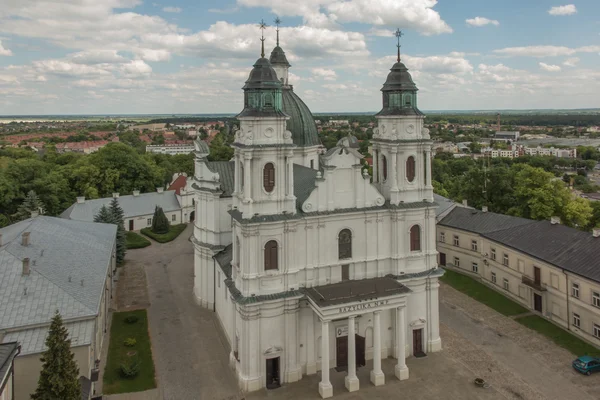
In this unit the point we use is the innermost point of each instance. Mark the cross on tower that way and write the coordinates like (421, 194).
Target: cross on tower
(277, 23)
(398, 34)
(262, 26)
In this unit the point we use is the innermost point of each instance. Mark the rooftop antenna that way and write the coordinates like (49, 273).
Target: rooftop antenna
(277, 23)
(398, 35)
(262, 26)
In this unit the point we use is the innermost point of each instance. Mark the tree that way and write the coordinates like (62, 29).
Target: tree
(160, 222)
(59, 378)
(31, 204)
(117, 215)
(578, 213)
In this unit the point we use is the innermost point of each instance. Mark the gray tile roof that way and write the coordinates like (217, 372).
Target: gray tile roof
(567, 248)
(226, 171)
(472, 220)
(443, 203)
(355, 290)
(69, 263)
(7, 354)
(133, 206)
(34, 340)
(304, 183)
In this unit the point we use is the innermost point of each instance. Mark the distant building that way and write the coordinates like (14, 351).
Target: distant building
(507, 135)
(49, 264)
(150, 127)
(138, 208)
(339, 122)
(171, 148)
(8, 352)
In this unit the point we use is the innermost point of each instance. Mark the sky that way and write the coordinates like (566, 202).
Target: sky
(193, 56)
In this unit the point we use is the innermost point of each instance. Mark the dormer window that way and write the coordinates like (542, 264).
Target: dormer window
(268, 100)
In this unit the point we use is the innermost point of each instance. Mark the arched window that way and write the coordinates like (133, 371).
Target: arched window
(384, 167)
(345, 244)
(269, 177)
(407, 100)
(415, 238)
(268, 100)
(410, 169)
(241, 176)
(271, 255)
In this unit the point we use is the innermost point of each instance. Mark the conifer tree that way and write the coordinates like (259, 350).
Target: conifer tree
(31, 203)
(160, 222)
(117, 214)
(59, 378)
(103, 216)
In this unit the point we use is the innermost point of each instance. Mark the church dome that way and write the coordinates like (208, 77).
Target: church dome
(301, 122)
(262, 76)
(399, 79)
(278, 57)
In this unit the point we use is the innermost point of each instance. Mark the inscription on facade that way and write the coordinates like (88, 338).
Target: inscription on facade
(363, 306)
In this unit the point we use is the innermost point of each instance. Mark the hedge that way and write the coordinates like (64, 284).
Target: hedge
(174, 231)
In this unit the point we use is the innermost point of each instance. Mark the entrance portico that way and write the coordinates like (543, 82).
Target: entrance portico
(348, 301)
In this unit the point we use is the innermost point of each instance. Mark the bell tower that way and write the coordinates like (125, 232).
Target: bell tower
(401, 144)
(264, 179)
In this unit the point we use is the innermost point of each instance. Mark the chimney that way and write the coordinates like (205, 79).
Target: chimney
(465, 203)
(136, 193)
(25, 239)
(26, 266)
(81, 199)
(595, 232)
(115, 195)
(484, 209)
(160, 190)
(555, 220)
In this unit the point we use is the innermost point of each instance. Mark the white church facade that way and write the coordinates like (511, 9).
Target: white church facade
(308, 262)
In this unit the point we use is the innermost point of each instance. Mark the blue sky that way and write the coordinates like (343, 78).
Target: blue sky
(133, 56)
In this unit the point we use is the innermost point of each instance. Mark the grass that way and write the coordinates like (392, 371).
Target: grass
(135, 241)
(117, 354)
(482, 293)
(174, 231)
(559, 336)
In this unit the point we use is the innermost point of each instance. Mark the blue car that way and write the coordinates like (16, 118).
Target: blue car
(587, 365)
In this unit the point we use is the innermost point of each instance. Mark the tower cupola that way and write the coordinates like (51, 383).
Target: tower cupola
(279, 60)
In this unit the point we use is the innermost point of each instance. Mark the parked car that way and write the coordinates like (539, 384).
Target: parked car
(587, 365)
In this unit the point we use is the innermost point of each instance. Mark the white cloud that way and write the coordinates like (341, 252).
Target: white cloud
(569, 9)
(549, 67)
(324, 73)
(409, 14)
(571, 62)
(153, 55)
(545, 51)
(136, 69)
(4, 51)
(172, 9)
(481, 21)
(68, 69)
(91, 57)
(224, 10)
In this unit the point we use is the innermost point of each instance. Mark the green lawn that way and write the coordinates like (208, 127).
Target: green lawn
(135, 241)
(559, 336)
(117, 354)
(174, 231)
(482, 293)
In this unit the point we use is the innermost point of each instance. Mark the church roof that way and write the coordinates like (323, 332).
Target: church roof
(278, 57)
(262, 76)
(399, 79)
(301, 122)
(355, 290)
(226, 171)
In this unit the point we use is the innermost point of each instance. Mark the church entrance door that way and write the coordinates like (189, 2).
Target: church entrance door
(360, 351)
(273, 381)
(341, 357)
(418, 343)
(130, 224)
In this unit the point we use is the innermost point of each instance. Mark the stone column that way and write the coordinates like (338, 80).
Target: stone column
(247, 183)
(351, 381)
(428, 176)
(325, 388)
(401, 369)
(435, 343)
(377, 377)
(394, 157)
(375, 166)
(311, 365)
(290, 177)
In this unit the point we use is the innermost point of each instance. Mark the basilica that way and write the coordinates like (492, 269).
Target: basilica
(308, 261)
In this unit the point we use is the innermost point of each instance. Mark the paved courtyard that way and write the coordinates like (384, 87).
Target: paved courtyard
(191, 354)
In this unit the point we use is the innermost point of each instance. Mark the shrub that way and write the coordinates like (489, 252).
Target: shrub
(130, 369)
(130, 342)
(131, 319)
(174, 231)
(160, 222)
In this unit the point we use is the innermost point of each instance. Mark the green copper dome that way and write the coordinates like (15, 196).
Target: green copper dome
(399, 93)
(301, 122)
(262, 92)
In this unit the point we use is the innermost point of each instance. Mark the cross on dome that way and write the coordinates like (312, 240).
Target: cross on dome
(262, 26)
(277, 23)
(398, 35)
